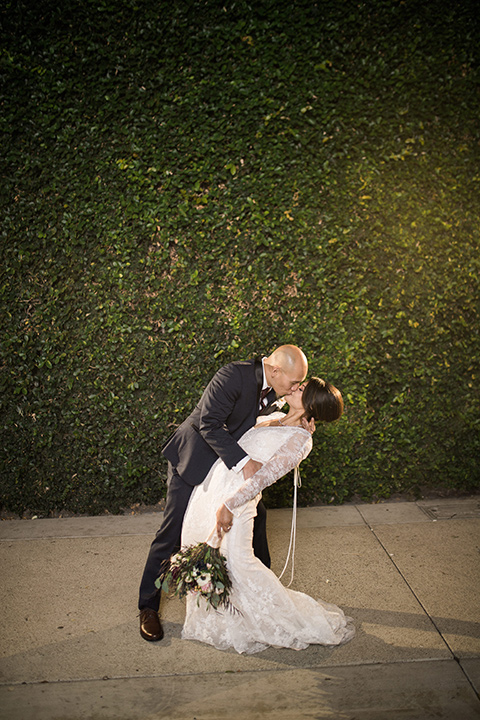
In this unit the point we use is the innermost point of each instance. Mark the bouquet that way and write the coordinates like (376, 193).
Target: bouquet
(199, 569)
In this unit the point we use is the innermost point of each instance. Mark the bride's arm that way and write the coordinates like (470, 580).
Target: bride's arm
(288, 456)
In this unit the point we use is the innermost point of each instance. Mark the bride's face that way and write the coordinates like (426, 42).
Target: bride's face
(295, 399)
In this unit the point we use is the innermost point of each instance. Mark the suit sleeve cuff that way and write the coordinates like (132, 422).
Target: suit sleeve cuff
(240, 465)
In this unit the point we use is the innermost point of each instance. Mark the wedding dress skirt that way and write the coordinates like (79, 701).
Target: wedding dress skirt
(266, 613)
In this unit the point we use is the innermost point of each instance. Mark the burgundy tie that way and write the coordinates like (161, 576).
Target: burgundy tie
(263, 395)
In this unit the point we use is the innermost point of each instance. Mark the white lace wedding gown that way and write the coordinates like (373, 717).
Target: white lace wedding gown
(269, 613)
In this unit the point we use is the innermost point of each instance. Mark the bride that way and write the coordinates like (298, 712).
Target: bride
(268, 613)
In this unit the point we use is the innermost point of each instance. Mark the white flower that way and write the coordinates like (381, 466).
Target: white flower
(204, 579)
(207, 588)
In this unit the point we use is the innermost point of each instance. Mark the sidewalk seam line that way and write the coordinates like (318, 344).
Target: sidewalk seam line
(316, 668)
(424, 609)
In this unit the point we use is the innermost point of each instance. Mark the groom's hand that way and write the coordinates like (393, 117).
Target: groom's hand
(250, 468)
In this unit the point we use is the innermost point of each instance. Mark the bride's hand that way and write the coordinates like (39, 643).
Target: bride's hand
(310, 426)
(224, 520)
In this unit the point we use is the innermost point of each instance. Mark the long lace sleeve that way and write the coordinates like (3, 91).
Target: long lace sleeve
(289, 455)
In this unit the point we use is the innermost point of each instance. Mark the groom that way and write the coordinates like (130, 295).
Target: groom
(228, 407)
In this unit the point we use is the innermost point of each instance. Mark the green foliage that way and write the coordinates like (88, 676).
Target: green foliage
(188, 183)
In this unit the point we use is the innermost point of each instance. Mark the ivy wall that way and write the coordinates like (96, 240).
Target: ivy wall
(189, 182)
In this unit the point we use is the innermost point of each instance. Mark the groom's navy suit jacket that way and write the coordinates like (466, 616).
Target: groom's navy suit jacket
(226, 410)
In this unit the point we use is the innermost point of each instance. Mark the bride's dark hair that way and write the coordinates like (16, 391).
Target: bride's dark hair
(322, 401)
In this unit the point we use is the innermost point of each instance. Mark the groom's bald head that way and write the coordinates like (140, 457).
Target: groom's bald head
(285, 369)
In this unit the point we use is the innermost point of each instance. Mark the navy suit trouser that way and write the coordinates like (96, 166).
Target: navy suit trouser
(168, 538)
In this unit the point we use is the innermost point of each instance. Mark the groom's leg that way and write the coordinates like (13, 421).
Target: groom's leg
(260, 543)
(167, 539)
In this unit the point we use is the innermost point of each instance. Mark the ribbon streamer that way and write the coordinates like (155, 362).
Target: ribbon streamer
(297, 482)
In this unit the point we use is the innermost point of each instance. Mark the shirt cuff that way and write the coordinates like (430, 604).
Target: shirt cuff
(240, 465)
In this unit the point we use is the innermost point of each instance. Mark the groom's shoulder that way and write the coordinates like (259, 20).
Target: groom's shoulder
(236, 368)
(241, 366)
(243, 363)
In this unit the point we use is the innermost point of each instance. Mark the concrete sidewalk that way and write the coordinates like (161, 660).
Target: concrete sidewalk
(408, 573)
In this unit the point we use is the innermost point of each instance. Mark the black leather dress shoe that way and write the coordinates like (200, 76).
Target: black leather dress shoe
(150, 625)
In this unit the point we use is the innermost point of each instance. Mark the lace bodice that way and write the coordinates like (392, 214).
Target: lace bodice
(280, 449)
